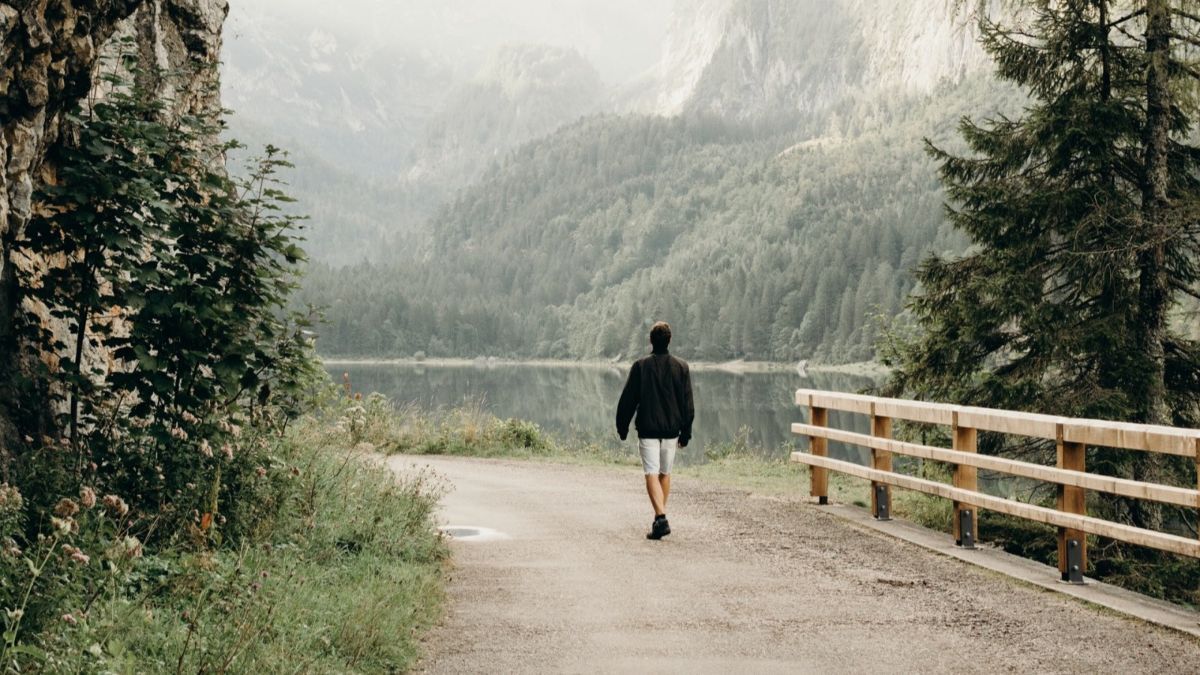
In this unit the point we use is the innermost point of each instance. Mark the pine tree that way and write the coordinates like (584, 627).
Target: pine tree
(1082, 217)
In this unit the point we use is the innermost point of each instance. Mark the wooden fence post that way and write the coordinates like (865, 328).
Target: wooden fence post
(1071, 499)
(967, 478)
(820, 448)
(881, 493)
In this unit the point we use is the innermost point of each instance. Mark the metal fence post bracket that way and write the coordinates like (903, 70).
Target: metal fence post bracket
(966, 523)
(1074, 573)
(882, 502)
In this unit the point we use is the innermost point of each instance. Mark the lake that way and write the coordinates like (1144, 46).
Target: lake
(579, 401)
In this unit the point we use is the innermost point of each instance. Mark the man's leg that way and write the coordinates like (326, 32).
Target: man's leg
(650, 451)
(654, 488)
(666, 460)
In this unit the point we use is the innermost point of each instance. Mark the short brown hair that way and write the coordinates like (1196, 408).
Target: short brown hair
(660, 334)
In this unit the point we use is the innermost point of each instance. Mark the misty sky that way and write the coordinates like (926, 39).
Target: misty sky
(622, 38)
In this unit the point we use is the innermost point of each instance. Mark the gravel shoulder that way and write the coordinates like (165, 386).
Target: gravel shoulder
(745, 583)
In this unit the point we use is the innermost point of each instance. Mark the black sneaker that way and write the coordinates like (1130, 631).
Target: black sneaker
(659, 529)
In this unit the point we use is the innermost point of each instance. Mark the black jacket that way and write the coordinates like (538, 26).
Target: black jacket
(659, 389)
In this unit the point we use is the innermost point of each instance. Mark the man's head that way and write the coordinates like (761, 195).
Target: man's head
(660, 335)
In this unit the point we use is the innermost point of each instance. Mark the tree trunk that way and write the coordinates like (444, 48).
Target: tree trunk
(1153, 287)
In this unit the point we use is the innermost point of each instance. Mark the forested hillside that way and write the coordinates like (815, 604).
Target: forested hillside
(756, 242)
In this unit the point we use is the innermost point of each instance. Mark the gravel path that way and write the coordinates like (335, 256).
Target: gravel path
(744, 584)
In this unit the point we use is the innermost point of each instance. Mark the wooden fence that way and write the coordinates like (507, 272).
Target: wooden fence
(1072, 436)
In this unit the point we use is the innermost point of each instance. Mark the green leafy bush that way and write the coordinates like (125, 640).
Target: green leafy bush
(165, 468)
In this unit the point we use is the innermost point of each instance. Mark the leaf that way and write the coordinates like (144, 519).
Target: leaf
(29, 650)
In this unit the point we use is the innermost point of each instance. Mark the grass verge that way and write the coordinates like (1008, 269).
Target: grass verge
(341, 572)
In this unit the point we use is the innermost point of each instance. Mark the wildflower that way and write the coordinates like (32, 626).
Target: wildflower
(65, 508)
(10, 496)
(189, 417)
(205, 448)
(11, 548)
(261, 472)
(69, 618)
(76, 554)
(62, 526)
(227, 450)
(87, 497)
(115, 505)
(179, 433)
(64, 441)
(128, 548)
(295, 471)
(235, 430)
(14, 614)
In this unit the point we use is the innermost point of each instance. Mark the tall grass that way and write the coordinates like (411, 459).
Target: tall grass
(341, 572)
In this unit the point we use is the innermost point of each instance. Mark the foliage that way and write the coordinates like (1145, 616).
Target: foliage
(465, 430)
(1083, 243)
(764, 244)
(339, 563)
(135, 512)
(168, 279)
(1043, 312)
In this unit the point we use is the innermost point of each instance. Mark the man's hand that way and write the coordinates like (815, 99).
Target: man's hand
(683, 441)
(622, 433)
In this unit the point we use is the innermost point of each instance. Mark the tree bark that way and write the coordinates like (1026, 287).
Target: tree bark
(1153, 283)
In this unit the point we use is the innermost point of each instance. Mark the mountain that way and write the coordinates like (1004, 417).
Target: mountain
(750, 59)
(361, 106)
(769, 201)
(383, 133)
(762, 246)
(521, 93)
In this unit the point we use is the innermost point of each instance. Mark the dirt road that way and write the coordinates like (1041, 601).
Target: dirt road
(744, 584)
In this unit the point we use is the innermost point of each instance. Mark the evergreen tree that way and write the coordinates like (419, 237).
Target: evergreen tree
(1082, 216)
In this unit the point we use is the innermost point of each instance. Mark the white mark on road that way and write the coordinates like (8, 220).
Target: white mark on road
(472, 533)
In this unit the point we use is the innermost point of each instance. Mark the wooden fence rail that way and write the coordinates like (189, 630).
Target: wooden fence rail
(1072, 436)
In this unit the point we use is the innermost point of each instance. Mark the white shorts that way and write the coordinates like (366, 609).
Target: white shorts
(658, 454)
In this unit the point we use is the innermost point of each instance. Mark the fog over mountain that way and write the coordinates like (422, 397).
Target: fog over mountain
(527, 178)
(408, 101)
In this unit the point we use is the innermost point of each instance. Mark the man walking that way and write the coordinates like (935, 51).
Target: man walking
(659, 390)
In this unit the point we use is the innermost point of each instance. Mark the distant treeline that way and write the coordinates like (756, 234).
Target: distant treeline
(775, 243)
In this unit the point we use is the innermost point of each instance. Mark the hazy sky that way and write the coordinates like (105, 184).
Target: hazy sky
(622, 38)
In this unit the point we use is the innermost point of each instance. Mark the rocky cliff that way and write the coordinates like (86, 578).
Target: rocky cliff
(746, 59)
(50, 56)
(522, 92)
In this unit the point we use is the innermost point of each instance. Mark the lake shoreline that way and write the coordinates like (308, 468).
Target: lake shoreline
(863, 368)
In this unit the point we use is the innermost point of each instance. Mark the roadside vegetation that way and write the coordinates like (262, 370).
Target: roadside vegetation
(175, 492)
(321, 562)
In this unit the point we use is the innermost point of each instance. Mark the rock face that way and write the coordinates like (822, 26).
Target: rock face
(51, 55)
(749, 59)
(523, 92)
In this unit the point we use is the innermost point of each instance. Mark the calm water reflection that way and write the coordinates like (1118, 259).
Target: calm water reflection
(580, 402)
